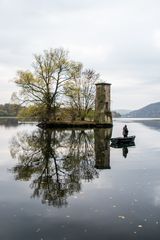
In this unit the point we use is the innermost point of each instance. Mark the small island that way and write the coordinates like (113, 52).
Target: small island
(60, 93)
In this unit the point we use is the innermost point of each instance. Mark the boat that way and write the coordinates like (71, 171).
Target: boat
(123, 145)
(120, 141)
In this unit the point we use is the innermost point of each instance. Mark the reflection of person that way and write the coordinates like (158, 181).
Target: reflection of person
(125, 131)
(125, 151)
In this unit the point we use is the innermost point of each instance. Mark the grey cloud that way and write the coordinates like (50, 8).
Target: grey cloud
(113, 37)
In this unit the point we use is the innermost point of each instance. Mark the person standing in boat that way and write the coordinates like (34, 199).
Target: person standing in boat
(125, 131)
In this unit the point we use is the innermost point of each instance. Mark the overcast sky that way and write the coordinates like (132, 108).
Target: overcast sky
(120, 39)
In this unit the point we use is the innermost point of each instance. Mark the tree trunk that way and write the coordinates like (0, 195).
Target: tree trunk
(48, 112)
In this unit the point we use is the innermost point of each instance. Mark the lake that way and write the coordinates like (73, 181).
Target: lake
(72, 185)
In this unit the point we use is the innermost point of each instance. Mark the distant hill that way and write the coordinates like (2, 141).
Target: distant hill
(115, 114)
(149, 111)
(122, 111)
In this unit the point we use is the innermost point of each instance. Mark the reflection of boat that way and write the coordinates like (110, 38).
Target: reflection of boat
(122, 141)
(123, 145)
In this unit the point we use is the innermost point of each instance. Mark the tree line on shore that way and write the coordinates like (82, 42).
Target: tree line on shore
(9, 110)
(15, 110)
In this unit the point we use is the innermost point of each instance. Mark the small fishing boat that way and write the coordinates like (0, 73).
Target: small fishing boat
(122, 140)
(123, 145)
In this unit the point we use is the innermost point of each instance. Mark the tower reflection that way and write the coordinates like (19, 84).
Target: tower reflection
(102, 148)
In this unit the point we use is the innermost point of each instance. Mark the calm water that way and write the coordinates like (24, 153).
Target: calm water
(72, 185)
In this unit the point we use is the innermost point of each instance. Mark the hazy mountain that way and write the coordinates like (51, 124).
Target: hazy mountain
(122, 111)
(149, 111)
(115, 114)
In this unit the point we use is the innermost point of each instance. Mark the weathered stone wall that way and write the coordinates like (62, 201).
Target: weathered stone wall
(102, 104)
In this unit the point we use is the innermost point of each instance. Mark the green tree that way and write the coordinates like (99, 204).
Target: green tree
(81, 93)
(43, 86)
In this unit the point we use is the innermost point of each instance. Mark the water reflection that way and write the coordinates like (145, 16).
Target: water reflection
(153, 124)
(125, 151)
(8, 122)
(124, 147)
(57, 161)
(102, 148)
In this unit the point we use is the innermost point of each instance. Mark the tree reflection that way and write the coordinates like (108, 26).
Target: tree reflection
(8, 122)
(54, 161)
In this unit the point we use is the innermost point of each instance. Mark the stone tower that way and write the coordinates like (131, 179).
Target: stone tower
(103, 113)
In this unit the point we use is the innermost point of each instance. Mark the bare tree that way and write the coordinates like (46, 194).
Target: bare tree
(81, 93)
(44, 84)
